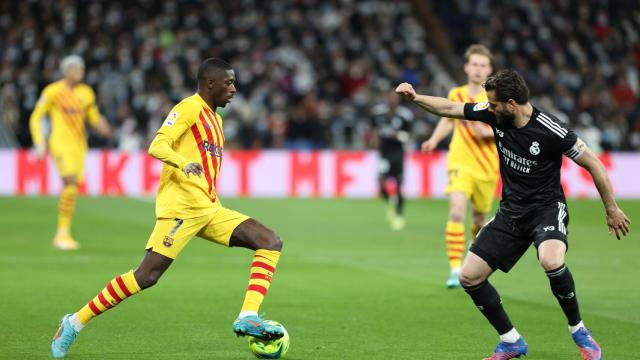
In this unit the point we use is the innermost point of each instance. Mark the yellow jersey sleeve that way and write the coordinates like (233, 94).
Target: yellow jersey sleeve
(43, 106)
(91, 108)
(161, 149)
(179, 120)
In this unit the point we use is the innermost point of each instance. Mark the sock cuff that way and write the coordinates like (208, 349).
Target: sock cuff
(70, 189)
(475, 287)
(556, 272)
(455, 227)
(270, 255)
(131, 282)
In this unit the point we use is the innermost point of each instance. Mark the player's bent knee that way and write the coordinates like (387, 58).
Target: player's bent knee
(273, 242)
(456, 216)
(468, 279)
(147, 279)
(551, 262)
(69, 180)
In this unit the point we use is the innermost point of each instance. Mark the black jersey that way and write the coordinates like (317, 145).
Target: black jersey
(388, 124)
(530, 158)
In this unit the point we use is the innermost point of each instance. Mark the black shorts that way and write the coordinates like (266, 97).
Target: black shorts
(503, 241)
(392, 165)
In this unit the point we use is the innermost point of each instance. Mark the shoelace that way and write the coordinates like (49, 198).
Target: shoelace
(66, 341)
(585, 338)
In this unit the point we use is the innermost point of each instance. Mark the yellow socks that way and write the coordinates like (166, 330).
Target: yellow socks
(66, 205)
(262, 269)
(455, 243)
(116, 290)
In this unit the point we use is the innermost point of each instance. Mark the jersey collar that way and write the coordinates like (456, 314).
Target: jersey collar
(202, 102)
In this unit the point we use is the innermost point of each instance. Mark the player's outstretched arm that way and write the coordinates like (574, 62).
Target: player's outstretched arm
(616, 219)
(444, 128)
(161, 149)
(435, 105)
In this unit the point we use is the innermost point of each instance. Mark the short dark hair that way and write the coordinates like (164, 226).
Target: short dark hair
(508, 84)
(210, 66)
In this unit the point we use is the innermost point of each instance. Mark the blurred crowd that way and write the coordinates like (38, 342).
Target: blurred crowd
(580, 58)
(309, 71)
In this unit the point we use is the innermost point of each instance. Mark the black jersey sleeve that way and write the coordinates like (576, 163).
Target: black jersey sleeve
(480, 112)
(572, 146)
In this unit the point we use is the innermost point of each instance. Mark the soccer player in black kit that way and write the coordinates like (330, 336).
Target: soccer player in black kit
(392, 123)
(531, 143)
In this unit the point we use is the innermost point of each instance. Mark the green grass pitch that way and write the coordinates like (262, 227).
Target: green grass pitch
(347, 287)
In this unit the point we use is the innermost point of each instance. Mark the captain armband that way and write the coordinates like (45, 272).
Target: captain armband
(578, 148)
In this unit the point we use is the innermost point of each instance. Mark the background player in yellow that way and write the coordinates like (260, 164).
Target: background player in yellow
(69, 104)
(190, 142)
(472, 163)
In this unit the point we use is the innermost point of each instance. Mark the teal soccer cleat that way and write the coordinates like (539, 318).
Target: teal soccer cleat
(253, 325)
(63, 338)
(454, 281)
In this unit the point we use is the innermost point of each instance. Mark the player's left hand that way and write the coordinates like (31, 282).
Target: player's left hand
(618, 222)
(102, 128)
(193, 168)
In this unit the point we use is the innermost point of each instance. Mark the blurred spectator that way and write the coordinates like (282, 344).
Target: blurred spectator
(583, 54)
(298, 63)
(308, 71)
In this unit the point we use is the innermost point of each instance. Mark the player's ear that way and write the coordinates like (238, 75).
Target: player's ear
(210, 84)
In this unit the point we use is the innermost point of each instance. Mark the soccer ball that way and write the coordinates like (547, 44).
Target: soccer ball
(273, 349)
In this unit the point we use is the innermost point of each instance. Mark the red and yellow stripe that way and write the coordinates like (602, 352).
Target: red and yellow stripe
(482, 150)
(213, 118)
(71, 111)
(203, 156)
(454, 237)
(116, 290)
(262, 269)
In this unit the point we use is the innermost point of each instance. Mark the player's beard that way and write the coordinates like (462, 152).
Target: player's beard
(505, 118)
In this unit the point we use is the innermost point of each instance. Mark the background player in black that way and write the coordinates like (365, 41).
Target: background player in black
(392, 123)
(530, 144)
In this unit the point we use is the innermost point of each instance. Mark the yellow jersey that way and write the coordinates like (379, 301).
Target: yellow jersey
(467, 151)
(68, 109)
(195, 133)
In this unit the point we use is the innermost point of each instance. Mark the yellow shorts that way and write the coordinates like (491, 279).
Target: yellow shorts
(480, 192)
(69, 160)
(170, 236)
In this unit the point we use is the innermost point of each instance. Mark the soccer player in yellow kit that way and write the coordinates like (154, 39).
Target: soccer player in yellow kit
(191, 143)
(69, 103)
(472, 163)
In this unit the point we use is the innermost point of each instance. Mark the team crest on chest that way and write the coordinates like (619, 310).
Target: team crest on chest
(535, 148)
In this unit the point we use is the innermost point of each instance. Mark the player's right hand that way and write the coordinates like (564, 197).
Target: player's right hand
(428, 146)
(193, 168)
(406, 90)
(40, 150)
(618, 222)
